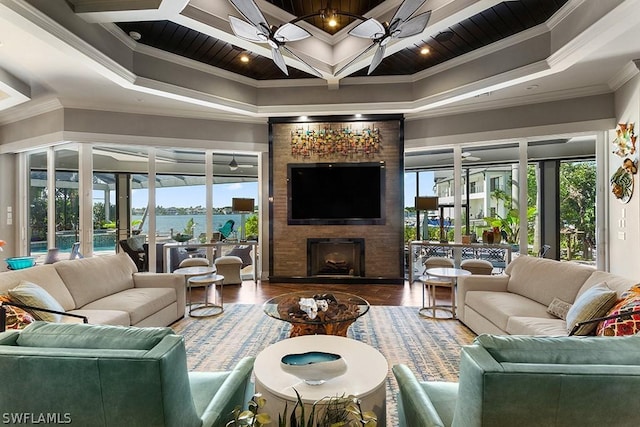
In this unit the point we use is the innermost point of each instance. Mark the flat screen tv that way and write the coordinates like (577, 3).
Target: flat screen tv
(336, 193)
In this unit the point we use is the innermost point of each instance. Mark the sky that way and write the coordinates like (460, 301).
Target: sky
(426, 186)
(184, 197)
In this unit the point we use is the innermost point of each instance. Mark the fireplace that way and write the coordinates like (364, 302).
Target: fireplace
(335, 257)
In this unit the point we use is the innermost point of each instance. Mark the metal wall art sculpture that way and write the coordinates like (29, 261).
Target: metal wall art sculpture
(328, 142)
(625, 147)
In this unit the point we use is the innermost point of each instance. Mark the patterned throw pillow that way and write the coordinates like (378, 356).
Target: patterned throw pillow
(16, 318)
(559, 308)
(628, 325)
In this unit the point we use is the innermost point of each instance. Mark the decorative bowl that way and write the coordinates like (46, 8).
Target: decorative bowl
(18, 263)
(179, 237)
(314, 367)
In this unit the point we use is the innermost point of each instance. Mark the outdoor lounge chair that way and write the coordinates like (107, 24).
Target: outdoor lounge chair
(227, 228)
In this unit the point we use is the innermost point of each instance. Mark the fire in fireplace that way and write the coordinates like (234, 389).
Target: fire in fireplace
(335, 257)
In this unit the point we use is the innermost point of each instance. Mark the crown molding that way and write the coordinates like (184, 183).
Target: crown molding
(564, 12)
(596, 35)
(29, 109)
(156, 141)
(35, 143)
(164, 112)
(120, 35)
(511, 102)
(178, 93)
(626, 73)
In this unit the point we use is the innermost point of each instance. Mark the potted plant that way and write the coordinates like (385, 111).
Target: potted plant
(337, 411)
(187, 233)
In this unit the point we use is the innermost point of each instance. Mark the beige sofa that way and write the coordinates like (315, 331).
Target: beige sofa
(516, 302)
(108, 290)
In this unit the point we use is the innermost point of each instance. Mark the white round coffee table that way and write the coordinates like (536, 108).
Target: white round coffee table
(365, 378)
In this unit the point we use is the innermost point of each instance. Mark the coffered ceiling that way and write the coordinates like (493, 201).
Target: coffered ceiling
(481, 54)
(497, 22)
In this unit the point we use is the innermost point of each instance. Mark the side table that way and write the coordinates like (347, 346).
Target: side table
(365, 378)
(188, 272)
(445, 273)
(206, 308)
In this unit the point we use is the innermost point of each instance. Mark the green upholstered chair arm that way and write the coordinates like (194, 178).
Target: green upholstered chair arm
(230, 394)
(475, 362)
(9, 337)
(418, 410)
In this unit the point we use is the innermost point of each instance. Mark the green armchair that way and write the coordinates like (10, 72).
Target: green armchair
(94, 375)
(530, 381)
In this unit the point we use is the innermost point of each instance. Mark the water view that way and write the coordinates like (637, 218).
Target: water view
(105, 240)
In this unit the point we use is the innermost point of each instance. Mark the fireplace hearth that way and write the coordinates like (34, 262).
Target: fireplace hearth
(335, 257)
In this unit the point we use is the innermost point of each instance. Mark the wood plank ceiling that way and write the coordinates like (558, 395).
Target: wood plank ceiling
(489, 26)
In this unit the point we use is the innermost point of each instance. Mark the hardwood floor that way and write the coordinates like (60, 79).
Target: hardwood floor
(399, 295)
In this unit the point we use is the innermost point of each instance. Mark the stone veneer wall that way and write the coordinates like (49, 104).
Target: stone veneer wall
(384, 246)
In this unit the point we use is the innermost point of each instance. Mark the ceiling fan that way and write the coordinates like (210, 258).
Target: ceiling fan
(400, 26)
(258, 30)
(468, 157)
(234, 165)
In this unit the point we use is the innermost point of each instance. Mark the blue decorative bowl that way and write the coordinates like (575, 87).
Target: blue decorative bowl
(18, 263)
(314, 367)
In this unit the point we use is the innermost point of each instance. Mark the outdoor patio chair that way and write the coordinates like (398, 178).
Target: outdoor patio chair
(227, 228)
(543, 251)
(137, 255)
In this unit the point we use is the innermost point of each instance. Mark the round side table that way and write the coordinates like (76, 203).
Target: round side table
(192, 271)
(451, 274)
(206, 308)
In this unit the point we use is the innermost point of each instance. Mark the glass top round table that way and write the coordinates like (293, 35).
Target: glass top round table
(316, 312)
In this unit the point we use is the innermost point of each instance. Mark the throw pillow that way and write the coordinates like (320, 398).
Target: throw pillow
(559, 308)
(627, 325)
(595, 302)
(242, 252)
(16, 317)
(28, 293)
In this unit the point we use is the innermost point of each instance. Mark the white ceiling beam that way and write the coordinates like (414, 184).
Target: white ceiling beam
(13, 91)
(96, 11)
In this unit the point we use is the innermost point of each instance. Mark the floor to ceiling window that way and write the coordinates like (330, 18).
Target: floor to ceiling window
(120, 195)
(577, 210)
(235, 176)
(104, 212)
(38, 203)
(490, 194)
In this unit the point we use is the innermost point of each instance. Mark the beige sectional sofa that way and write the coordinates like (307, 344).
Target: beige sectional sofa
(516, 302)
(107, 289)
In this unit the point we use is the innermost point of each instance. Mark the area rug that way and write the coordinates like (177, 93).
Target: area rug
(431, 348)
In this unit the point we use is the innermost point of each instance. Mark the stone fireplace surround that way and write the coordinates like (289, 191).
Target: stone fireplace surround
(384, 243)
